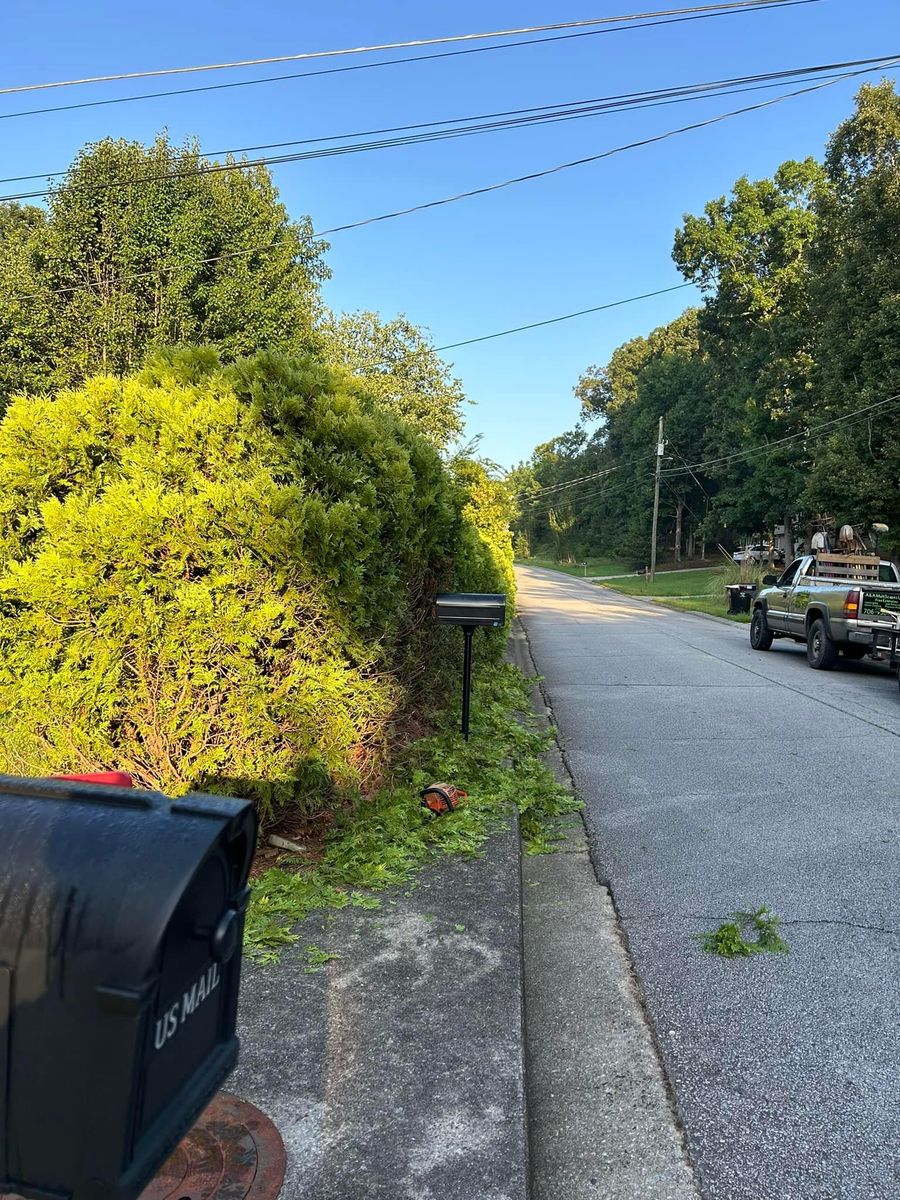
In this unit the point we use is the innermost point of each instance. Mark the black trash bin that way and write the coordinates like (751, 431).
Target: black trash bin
(121, 922)
(740, 596)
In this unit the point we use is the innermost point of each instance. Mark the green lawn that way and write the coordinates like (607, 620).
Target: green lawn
(595, 566)
(669, 583)
(687, 590)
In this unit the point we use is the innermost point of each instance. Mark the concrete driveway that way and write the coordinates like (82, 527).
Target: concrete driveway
(718, 778)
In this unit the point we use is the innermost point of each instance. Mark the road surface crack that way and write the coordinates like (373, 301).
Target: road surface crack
(846, 924)
(795, 921)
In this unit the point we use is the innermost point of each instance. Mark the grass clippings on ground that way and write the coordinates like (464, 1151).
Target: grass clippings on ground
(381, 841)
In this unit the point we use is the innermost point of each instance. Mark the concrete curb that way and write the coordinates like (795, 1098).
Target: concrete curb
(397, 1072)
(602, 1122)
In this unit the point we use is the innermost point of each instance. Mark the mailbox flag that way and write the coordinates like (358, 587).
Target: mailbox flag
(109, 778)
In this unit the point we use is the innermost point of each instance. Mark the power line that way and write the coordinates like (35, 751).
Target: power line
(626, 486)
(579, 162)
(487, 337)
(539, 324)
(688, 468)
(559, 487)
(601, 492)
(681, 500)
(376, 49)
(391, 62)
(537, 113)
(481, 191)
(554, 490)
(427, 131)
(770, 446)
(687, 465)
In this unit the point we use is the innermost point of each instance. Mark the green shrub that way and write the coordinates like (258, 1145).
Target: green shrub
(218, 577)
(485, 555)
(746, 571)
(384, 841)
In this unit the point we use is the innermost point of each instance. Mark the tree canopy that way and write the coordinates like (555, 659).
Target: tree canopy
(141, 247)
(855, 294)
(767, 388)
(401, 368)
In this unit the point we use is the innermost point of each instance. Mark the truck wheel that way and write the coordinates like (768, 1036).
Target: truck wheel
(821, 652)
(854, 651)
(761, 636)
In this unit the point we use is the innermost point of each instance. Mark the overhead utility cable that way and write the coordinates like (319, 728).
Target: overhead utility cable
(393, 62)
(428, 131)
(770, 446)
(580, 162)
(682, 501)
(615, 490)
(380, 48)
(481, 191)
(755, 451)
(554, 489)
(687, 467)
(558, 487)
(582, 312)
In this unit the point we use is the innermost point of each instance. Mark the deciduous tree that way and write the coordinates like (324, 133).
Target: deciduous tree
(856, 297)
(149, 246)
(400, 368)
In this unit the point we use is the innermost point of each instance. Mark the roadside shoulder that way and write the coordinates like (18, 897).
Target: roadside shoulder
(600, 1117)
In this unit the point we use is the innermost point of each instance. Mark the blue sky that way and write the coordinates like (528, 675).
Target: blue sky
(578, 239)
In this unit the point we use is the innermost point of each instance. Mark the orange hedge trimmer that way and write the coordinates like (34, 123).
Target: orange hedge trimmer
(441, 798)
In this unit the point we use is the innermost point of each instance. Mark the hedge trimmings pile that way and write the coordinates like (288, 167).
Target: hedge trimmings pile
(730, 940)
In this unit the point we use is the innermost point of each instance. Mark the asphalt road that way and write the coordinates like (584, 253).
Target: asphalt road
(717, 778)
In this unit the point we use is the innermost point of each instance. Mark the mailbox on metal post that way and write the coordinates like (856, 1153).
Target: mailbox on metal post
(471, 611)
(121, 921)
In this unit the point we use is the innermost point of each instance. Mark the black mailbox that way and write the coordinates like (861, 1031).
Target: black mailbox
(121, 921)
(471, 611)
(470, 608)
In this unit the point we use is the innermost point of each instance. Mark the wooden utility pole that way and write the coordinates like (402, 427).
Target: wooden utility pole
(659, 458)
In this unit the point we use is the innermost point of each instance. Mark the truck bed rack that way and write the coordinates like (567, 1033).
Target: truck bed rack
(862, 567)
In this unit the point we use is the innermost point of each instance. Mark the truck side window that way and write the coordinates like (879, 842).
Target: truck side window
(887, 573)
(790, 574)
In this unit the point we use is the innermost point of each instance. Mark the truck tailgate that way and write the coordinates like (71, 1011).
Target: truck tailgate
(874, 599)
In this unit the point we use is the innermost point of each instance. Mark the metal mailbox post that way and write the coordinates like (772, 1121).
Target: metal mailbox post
(471, 611)
(121, 922)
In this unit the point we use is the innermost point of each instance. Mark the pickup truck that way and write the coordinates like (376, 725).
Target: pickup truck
(834, 603)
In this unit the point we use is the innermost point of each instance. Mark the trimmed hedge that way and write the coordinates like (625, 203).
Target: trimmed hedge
(221, 577)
